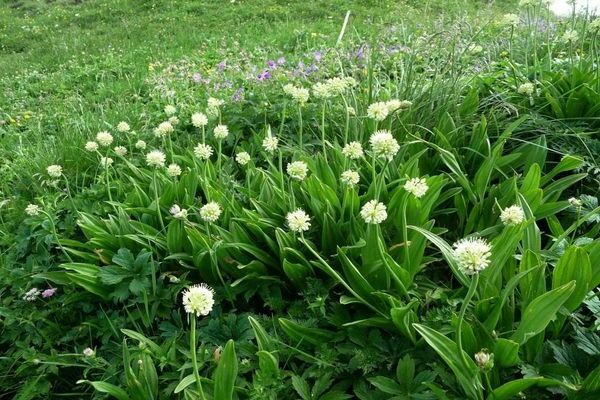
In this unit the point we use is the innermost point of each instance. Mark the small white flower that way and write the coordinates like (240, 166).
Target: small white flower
(170, 110)
(575, 202)
(199, 120)
(156, 159)
(221, 132)
(337, 85)
(55, 171)
(173, 120)
(351, 111)
(353, 150)
(215, 103)
(298, 221)
(32, 210)
(123, 127)
(121, 150)
(595, 25)
(510, 20)
(350, 178)
(373, 212)
(322, 90)
(527, 89)
(173, 170)
(350, 81)
(178, 212)
(163, 129)
(484, 360)
(199, 299)
(472, 254)
(32, 294)
(299, 95)
(91, 146)
(106, 162)
(212, 112)
(512, 215)
(88, 352)
(270, 143)
(570, 36)
(203, 151)
(104, 138)
(140, 144)
(378, 111)
(210, 212)
(384, 145)
(242, 158)
(297, 170)
(417, 187)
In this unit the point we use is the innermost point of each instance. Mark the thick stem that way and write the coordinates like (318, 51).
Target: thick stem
(461, 316)
(194, 360)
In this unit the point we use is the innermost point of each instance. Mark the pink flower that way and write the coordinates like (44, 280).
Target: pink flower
(49, 292)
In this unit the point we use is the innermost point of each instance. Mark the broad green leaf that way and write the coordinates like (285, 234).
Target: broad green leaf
(109, 388)
(509, 390)
(226, 373)
(573, 265)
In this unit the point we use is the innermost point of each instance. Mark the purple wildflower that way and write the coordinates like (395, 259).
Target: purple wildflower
(272, 64)
(281, 61)
(318, 55)
(264, 75)
(49, 292)
(221, 66)
(196, 77)
(238, 95)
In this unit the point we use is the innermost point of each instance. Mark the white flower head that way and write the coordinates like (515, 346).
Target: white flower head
(378, 111)
(221, 132)
(350, 178)
(527, 89)
(472, 254)
(123, 127)
(170, 110)
(575, 202)
(140, 144)
(173, 170)
(373, 212)
(32, 210)
(297, 170)
(55, 171)
(353, 150)
(163, 129)
(120, 150)
(510, 20)
(322, 90)
(298, 221)
(215, 103)
(106, 162)
(178, 212)
(484, 360)
(199, 120)
(203, 151)
(570, 36)
(32, 294)
(104, 138)
(595, 25)
(298, 94)
(417, 187)
(210, 212)
(384, 145)
(512, 215)
(173, 120)
(242, 158)
(351, 111)
(89, 352)
(270, 143)
(199, 299)
(91, 146)
(156, 159)
(337, 85)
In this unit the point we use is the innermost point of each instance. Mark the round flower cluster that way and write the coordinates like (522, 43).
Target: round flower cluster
(221, 132)
(322, 90)
(32, 210)
(91, 146)
(378, 111)
(510, 20)
(417, 187)
(170, 109)
(156, 159)
(527, 89)
(242, 158)
(140, 144)
(353, 150)
(104, 138)
(297, 170)
(123, 127)
(199, 299)
(32, 294)
(575, 202)
(350, 178)
(397, 105)
(121, 150)
(384, 145)
(210, 212)
(89, 352)
(163, 129)
(173, 170)
(298, 94)
(484, 360)
(214, 103)
(472, 254)
(373, 212)
(594, 26)
(512, 215)
(106, 162)
(203, 151)
(570, 36)
(178, 212)
(199, 120)
(270, 143)
(173, 120)
(298, 221)
(55, 171)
